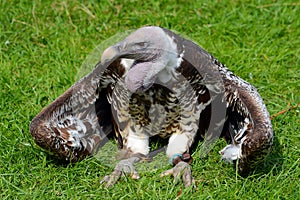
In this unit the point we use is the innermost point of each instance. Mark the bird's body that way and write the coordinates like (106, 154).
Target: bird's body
(156, 83)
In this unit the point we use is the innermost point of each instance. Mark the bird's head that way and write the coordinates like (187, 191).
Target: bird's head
(150, 50)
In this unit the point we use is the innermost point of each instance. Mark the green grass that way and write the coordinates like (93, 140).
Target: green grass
(43, 44)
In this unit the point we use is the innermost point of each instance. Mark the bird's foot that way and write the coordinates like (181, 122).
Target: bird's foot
(182, 170)
(123, 167)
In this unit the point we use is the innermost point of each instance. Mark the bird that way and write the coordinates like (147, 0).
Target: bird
(157, 83)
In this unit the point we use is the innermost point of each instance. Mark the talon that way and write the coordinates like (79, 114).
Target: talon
(105, 179)
(181, 170)
(135, 176)
(167, 173)
(123, 167)
(112, 179)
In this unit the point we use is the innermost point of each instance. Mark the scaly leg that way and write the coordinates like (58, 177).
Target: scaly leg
(136, 149)
(123, 167)
(177, 151)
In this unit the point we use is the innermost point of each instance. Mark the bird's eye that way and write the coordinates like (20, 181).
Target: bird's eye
(142, 44)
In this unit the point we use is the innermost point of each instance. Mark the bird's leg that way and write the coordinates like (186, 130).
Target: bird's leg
(135, 149)
(181, 159)
(181, 169)
(125, 166)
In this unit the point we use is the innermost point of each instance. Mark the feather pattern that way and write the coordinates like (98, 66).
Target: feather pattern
(177, 102)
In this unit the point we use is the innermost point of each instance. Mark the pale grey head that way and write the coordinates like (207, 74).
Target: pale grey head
(151, 51)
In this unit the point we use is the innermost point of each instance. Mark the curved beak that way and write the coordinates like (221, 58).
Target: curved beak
(111, 53)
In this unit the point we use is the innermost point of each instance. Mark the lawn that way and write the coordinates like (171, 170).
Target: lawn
(44, 43)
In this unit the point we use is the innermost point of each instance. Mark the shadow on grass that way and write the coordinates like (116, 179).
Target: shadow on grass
(53, 159)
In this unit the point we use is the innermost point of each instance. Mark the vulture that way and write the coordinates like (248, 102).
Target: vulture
(157, 83)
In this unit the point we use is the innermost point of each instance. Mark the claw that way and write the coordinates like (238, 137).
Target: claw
(181, 170)
(123, 167)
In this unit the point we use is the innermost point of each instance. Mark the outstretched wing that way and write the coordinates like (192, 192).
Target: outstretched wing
(80, 120)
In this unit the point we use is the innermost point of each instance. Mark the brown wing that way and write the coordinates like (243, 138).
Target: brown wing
(252, 126)
(248, 122)
(80, 120)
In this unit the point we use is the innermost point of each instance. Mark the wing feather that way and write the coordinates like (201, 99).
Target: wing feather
(80, 120)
